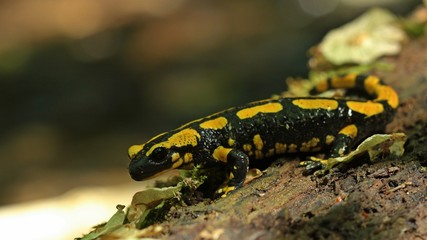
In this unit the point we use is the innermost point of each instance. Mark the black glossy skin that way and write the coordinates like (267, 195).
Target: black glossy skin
(293, 125)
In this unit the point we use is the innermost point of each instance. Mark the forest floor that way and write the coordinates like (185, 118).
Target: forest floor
(382, 200)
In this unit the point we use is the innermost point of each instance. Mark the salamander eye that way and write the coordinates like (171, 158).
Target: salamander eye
(159, 153)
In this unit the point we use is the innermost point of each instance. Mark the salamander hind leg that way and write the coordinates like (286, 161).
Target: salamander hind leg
(237, 167)
(341, 145)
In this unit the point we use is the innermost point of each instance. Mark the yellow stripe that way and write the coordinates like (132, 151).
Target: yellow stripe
(134, 149)
(367, 108)
(265, 108)
(217, 123)
(185, 137)
(388, 94)
(383, 93)
(327, 104)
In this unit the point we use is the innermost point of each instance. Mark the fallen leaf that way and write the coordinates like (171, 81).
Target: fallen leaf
(368, 37)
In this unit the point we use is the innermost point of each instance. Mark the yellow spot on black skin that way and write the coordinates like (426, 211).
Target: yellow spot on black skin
(216, 124)
(225, 190)
(270, 107)
(177, 163)
(188, 157)
(371, 83)
(368, 108)
(134, 149)
(221, 153)
(304, 147)
(231, 142)
(327, 104)
(348, 81)
(247, 147)
(258, 142)
(280, 148)
(309, 145)
(350, 130)
(185, 137)
(175, 157)
(329, 139)
(292, 148)
(386, 93)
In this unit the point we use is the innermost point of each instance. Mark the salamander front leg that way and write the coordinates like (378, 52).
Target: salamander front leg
(237, 167)
(341, 146)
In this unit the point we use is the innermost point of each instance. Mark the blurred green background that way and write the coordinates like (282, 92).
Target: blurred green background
(81, 81)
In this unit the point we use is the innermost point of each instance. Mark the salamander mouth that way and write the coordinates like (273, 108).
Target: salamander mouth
(138, 175)
(139, 171)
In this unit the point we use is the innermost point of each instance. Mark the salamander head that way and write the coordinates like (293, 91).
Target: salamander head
(161, 153)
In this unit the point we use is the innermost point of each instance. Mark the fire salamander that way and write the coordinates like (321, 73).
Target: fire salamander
(271, 127)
